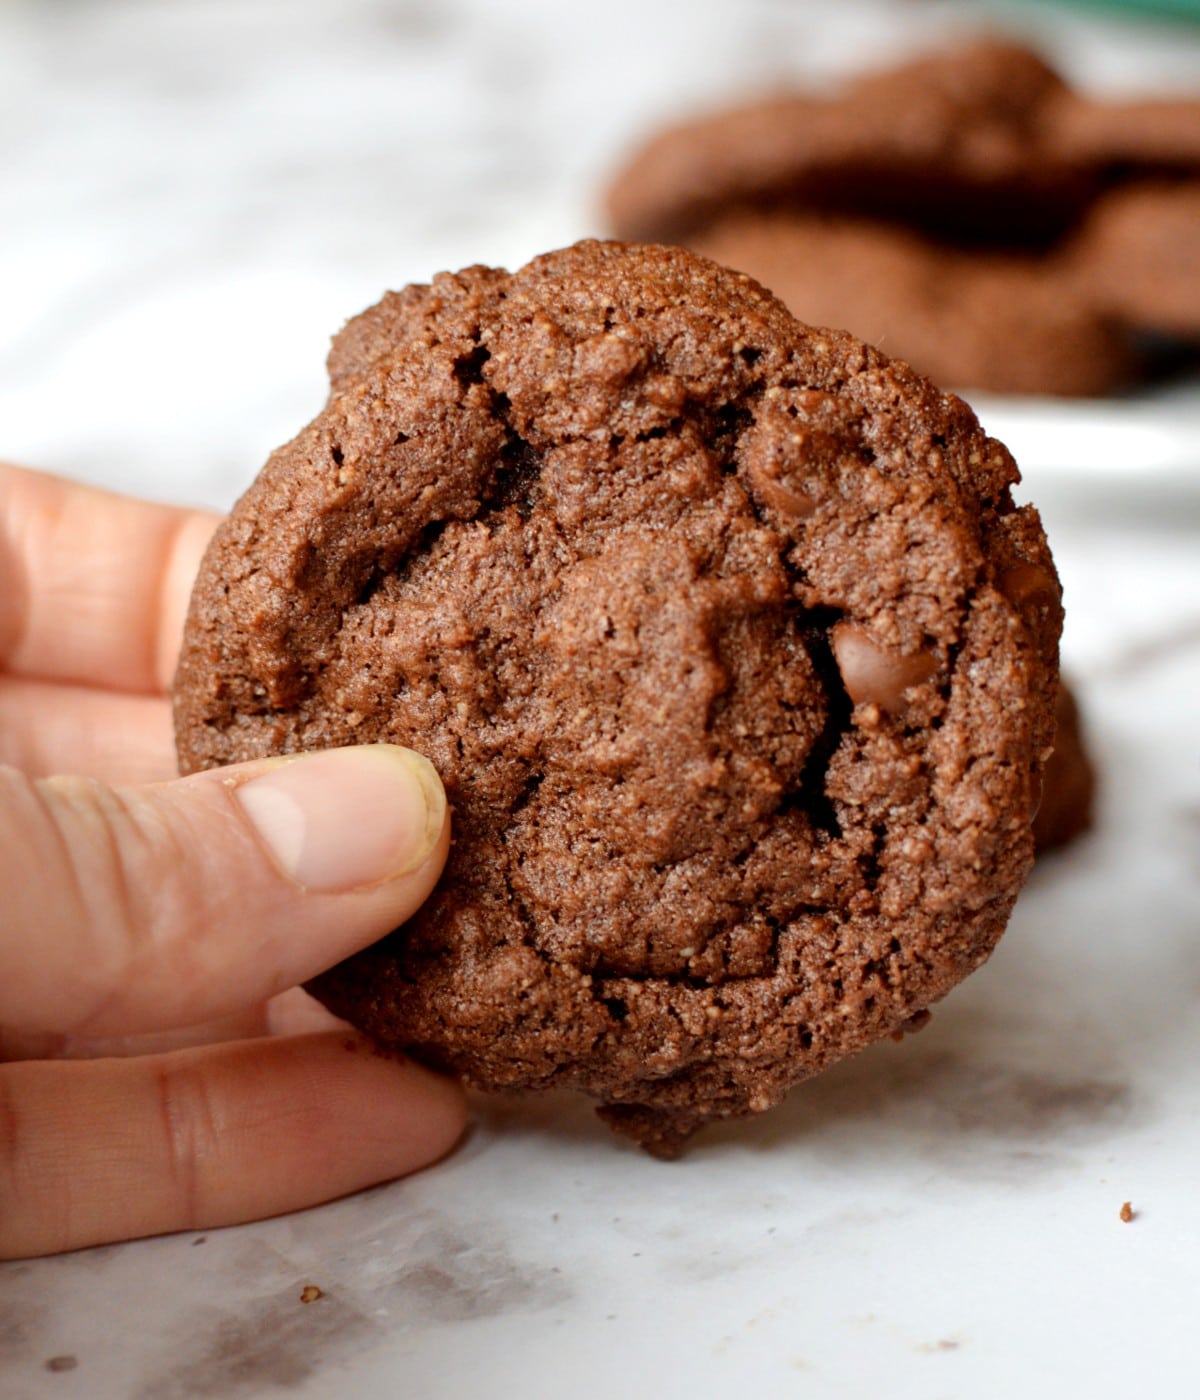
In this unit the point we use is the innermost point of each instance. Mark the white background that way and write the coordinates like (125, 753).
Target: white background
(193, 197)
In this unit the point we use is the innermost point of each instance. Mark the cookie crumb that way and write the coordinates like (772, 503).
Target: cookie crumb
(310, 1293)
(1127, 1212)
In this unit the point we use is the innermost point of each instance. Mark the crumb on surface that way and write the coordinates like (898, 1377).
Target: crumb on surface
(310, 1293)
(1127, 1212)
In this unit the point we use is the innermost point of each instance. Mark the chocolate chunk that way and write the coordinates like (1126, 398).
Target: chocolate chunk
(777, 492)
(878, 675)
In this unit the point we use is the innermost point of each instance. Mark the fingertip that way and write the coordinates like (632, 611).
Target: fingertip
(185, 901)
(345, 819)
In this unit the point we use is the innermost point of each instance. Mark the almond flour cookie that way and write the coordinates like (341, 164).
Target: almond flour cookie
(733, 652)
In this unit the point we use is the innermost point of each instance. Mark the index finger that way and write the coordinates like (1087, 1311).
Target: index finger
(94, 586)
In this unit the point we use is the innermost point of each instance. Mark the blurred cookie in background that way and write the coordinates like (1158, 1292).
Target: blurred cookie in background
(1009, 321)
(967, 211)
(1138, 256)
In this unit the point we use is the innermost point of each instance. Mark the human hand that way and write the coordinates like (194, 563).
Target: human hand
(140, 913)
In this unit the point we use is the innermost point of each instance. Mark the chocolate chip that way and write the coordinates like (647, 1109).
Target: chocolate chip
(874, 674)
(1027, 586)
(776, 491)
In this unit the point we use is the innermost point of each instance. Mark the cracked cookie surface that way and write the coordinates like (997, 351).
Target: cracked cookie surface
(734, 655)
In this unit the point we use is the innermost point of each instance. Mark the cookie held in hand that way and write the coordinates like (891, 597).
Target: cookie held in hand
(735, 657)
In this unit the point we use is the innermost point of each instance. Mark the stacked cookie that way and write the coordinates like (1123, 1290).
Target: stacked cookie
(969, 212)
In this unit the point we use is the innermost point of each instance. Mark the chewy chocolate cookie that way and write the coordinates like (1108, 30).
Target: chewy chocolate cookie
(966, 210)
(735, 657)
(1139, 257)
(1013, 322)
(949, 143)
(1069, 782)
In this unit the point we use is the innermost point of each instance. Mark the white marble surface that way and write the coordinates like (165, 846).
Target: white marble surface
(194, 195)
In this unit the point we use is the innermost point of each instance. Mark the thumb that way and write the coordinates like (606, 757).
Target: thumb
(137, 909)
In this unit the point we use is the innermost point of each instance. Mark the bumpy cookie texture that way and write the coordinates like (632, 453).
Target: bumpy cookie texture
(967, 210)
(732, 651)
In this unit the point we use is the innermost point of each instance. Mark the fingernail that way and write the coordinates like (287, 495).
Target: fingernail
(342, 819)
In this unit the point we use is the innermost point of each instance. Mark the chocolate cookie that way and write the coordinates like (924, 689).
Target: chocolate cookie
(949, 143)
(1014, 322)
(1139, 257)
(1069, 784)
(1155, 137)
(734, 655)
(943, 210)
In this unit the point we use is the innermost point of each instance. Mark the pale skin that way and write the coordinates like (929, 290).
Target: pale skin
(159, 1068)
